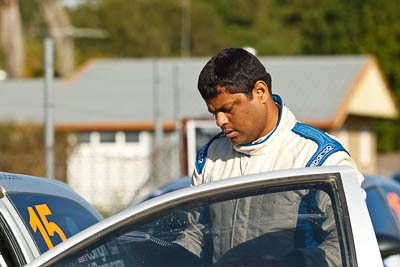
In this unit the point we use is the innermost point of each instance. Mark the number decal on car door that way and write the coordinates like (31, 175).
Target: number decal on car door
(45, 227)
(394, 202)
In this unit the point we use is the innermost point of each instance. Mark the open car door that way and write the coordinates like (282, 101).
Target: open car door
(298, 217)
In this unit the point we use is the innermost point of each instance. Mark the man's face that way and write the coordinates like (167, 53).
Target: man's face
(243, 120)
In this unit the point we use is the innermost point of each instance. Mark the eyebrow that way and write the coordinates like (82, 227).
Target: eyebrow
(228, 105)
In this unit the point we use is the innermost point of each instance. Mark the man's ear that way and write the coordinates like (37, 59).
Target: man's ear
(260, 90)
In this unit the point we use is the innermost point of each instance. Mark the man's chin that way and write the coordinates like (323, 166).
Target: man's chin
(237, 141)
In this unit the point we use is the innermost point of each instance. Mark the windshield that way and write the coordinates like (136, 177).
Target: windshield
(283, 225)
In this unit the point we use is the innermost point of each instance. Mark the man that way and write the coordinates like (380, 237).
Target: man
(259, 134)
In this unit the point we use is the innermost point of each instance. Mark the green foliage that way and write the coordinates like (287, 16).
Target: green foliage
(22, 150)
(35, 29)
(135, 28)
(388, 133)
(207, 29)
(358, 27)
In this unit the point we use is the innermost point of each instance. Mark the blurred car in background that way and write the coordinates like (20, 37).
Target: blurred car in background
(36, 214)
(383, 202)
(176, 184)
(396, 176)
(146, 234)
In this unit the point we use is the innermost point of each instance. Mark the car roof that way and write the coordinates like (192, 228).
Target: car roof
(176, 184)
(21, 183)
(377, 180)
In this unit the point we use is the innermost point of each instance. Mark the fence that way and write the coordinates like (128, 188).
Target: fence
(113, 177)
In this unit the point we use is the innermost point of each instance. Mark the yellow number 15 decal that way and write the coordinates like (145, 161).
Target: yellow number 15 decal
(46, 228)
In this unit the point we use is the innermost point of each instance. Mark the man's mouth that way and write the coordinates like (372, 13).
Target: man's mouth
(229, 133)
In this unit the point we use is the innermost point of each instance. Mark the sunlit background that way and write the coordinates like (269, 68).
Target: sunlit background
(126, 111)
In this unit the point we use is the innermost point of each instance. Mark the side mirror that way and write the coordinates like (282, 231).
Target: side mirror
(388, 245)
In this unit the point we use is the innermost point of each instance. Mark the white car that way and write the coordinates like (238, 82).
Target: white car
(36, 214)
(181, 228)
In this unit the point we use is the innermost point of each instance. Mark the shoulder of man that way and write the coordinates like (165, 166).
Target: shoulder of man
(204, 151)
(327, 145)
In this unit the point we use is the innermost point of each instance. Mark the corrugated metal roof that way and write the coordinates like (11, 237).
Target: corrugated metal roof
(314, 87)
(21, 100)
(121, 90)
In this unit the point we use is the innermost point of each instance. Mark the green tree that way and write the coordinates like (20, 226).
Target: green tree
(207, 30)
(135, 28)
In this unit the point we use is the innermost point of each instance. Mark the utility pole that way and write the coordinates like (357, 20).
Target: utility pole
(156, 106)
(49, 107)
(186, 28)
(158, 128)
(176, 113)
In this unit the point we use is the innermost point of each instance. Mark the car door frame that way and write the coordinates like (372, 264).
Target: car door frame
(363, 246)
(19, 238)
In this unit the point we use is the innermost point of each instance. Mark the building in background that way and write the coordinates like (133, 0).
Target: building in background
(111, 106)
(341, 95)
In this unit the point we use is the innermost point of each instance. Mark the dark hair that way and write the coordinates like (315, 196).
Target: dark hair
(236, 70)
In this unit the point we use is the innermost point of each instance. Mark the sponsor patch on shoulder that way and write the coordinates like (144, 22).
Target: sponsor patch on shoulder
(326, 144)
(202, 155)
(201, 158)
(321, 155)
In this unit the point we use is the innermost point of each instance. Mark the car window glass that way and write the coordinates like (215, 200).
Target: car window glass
(393, 198)
(7, 254)
(297, 224)
(381, 219)
(51, 219)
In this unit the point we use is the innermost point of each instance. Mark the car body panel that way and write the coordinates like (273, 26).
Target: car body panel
(17, 230)
(358, 209)
(20, 197)
(25, 183)
(362, 244)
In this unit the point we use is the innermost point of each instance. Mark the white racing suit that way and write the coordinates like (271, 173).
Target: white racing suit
(290, 145)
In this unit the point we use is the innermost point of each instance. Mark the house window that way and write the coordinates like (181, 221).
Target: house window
(131, 137)
(365, 147)
(107, 137)
(83, 137)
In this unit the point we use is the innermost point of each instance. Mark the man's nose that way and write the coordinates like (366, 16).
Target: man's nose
(221, 119)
